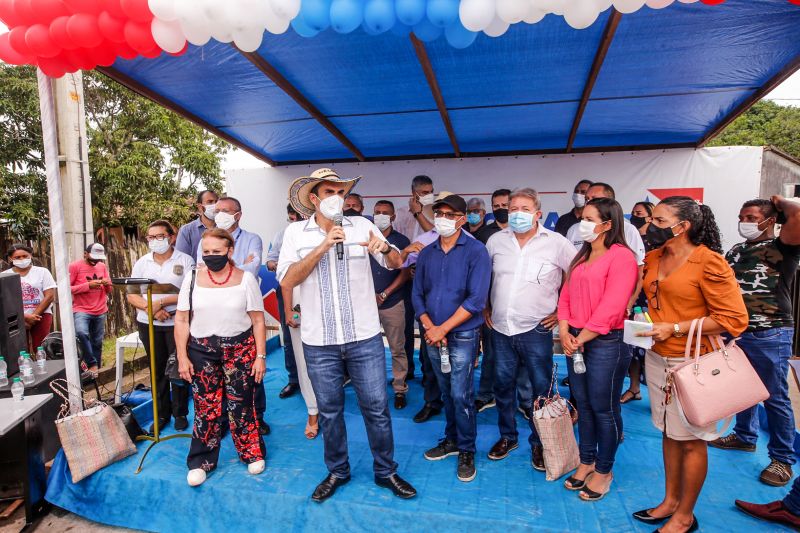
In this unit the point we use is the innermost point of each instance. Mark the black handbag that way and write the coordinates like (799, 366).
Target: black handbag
(125, 414)
(171, 369)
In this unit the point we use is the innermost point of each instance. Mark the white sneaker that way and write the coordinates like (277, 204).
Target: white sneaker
(256, 468)
(196, 477)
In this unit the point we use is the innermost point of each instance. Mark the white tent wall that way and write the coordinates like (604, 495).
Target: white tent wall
(723, 177)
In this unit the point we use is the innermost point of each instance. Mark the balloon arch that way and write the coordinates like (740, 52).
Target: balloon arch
(63, 36)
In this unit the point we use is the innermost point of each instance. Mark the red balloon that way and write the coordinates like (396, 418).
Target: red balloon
(795, 2)
(125, 51)
(38, 40)
(79, 58)
(114, 9)
(52, 66)
(16, 39)
(152, 53)
(183, 51)
(83, 30)
(137, 10)
(111, 28)
(138, 35)
(105, 54)
(24, 11)
(47, 10)
(7, 14)
(92, 7)
(9, 55)
(712, 2)
(58, 33)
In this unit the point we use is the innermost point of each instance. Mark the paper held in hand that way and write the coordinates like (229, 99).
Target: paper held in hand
(632, 328)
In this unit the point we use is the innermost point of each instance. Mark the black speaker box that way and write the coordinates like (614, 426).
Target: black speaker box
(13, 336)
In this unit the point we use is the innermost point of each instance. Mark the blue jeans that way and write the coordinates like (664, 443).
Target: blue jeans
(532, 350)
(769, 352)
(365, 361)
(456, 386)
(792, 500)
(486, 382)
(288, 350)
(596, 395)
(90, 330)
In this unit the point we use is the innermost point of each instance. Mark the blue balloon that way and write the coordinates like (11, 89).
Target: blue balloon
(443, 13)
(316, 13)
(458, 36)
(379, 15)
(301, 28)
(368, 30)
(427, 32)
(400, 29)
(346, 15)
(410, 12)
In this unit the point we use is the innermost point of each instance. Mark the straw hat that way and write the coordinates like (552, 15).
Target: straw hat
(301, 188)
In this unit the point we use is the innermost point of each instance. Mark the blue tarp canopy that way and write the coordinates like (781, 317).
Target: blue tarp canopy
(652, 79)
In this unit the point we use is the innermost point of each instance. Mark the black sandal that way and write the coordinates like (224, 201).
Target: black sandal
(635, 396)
(573, 483)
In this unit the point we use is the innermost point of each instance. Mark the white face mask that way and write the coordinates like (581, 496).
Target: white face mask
(750, 231)
(444, 227)
(331, 206)
(579, 199)
(224, 220)
(586, 231)
(426, 200)
(210, 211)
(383, 221)
(21, 263)
(159, 246)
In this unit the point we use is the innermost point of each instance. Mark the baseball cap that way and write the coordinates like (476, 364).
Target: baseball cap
(454, 201)
(96, 251)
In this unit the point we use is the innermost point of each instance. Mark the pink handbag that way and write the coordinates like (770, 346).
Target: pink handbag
(714, 387)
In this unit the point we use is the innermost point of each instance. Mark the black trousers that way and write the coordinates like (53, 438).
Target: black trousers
(410, 336)
(177, 403)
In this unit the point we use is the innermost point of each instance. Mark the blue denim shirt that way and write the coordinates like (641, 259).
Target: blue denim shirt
(446, 281)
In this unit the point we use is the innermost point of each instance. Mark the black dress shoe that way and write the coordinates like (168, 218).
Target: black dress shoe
(398, 485)
(328, 486)
(289, 390)
(645, 516)
(263, 427)
(181, 423)
(502, 448)
(400, 401)
(426, 413)
(162, 423)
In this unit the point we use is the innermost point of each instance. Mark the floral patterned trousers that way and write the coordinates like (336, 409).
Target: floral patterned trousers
(222, 368)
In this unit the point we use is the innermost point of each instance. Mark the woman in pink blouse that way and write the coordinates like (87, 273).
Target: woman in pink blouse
(591, 314)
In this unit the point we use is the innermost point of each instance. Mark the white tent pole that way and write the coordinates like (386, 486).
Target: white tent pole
(58, 235)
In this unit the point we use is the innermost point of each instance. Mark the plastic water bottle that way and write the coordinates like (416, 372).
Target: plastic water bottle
(638, 315)
(21, 358)
(41, 361)
(26, 370)
(3, 372)
(577, 362)
(18, 390)
(444, 353)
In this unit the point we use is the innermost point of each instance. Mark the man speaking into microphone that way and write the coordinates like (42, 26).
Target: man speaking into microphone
(327, 258)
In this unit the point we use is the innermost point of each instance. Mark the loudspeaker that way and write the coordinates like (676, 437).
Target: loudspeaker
(13, 335)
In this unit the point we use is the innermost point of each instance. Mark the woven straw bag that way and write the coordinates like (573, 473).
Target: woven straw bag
(93, 438)
(554, 425)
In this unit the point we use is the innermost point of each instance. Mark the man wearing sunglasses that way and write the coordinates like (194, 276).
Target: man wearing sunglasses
(450, 289)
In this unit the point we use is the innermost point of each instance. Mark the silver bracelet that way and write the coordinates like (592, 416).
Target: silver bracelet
(261, 356)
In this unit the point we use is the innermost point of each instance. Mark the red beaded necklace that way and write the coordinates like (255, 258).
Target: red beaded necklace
(226, 280)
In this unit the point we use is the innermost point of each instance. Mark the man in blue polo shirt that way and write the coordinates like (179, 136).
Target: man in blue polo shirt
(450, 290)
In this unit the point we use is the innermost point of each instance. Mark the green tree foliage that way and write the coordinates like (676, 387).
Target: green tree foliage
(145, 162)
(766, 123)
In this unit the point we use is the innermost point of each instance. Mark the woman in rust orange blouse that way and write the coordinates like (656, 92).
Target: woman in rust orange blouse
(684, 278)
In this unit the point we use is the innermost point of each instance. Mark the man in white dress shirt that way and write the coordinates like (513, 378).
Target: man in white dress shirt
(417, 217)
(329, 264)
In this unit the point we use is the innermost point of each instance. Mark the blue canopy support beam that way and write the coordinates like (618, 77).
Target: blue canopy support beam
(602, 50)
(430, 75)
(286, 86)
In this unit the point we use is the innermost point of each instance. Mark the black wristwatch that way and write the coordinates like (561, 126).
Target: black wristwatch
(388, 249)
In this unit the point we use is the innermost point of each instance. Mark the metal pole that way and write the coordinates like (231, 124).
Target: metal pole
(58, 235)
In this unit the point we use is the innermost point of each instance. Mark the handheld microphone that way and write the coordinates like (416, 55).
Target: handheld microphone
(337, 221)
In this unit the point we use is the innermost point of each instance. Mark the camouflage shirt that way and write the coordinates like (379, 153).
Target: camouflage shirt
(765, 271)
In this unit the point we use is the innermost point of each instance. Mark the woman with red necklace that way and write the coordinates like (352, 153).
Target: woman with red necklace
(220, 337)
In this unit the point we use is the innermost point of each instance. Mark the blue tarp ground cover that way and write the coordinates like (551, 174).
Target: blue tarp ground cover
(670, 76)
(506, 496)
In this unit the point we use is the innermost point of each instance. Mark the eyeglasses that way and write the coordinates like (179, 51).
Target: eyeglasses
(156, 237)
(654, 300)
(448, 216)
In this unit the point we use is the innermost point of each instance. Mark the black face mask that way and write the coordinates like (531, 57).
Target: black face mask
(501, 216)
(658, 237)
(215, 263)
(351, 213)
(638, 222)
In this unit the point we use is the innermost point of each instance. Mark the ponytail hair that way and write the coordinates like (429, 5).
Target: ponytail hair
(704, 229)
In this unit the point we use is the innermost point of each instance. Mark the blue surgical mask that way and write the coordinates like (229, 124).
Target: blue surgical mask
(473, 219)
(520, 221)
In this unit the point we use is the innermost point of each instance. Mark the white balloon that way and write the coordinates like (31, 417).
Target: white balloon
(658, 4)
(185, 9)
(287, 9)
(496, 28)
(534, 15)
(248, 40)
(550, 6)
(687, 1)
(243, 16)
(512, 11)
(168, 35)
(602, 5)
(197, 35)
(277, 25)
(270, 20)
(163, 9)
(580, 14)
(628, 6)
(476, 15)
